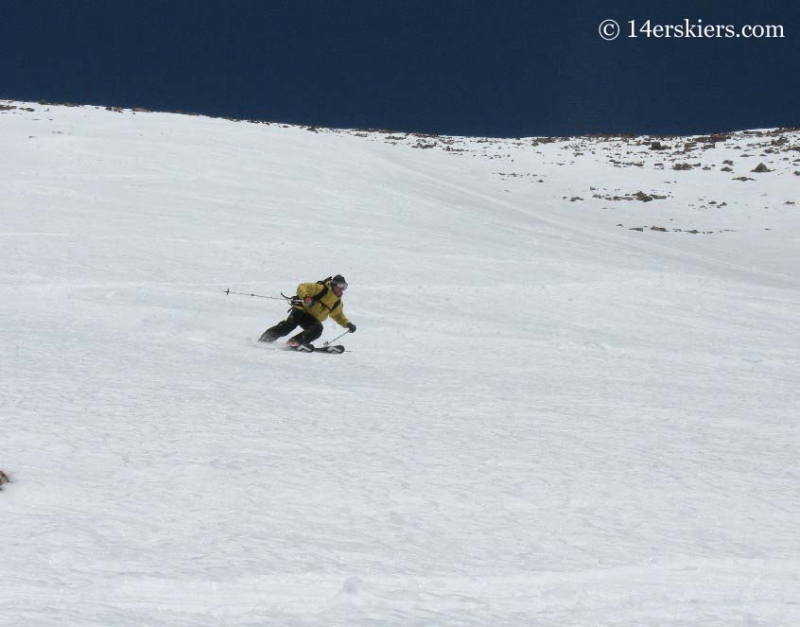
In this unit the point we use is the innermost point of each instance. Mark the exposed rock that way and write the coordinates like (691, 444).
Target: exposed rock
(640, 195)
(713, 139)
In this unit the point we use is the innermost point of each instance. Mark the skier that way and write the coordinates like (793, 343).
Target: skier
(312, 305)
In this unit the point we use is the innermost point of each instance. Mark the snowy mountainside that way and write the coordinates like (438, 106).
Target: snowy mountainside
(571, 399)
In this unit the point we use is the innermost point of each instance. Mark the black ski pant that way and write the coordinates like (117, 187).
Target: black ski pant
(312, 328)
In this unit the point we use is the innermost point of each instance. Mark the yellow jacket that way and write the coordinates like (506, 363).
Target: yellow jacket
(325, 304)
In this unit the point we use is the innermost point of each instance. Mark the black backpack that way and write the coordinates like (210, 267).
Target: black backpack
(318, 297)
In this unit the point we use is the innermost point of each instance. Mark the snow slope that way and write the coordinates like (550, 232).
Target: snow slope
(544, 418)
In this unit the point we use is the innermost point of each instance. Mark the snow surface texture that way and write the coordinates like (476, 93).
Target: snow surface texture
(545, 417)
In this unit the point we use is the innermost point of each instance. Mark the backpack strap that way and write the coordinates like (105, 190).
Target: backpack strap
(318, 298)
(323, 293)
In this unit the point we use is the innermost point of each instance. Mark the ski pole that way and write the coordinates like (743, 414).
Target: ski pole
(336, 338)
(281, 297)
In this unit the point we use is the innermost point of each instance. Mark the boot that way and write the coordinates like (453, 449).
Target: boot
(268, 337)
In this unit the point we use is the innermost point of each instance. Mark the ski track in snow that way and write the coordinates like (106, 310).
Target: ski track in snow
(543, 418)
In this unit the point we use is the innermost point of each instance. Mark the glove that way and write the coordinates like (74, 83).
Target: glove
(352, 327)
(308, 301)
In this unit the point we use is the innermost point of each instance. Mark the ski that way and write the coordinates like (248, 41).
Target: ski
(335, 349)
(310, 348)
(297, 348)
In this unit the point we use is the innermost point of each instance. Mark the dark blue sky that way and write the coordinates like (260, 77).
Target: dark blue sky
(491, 67)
